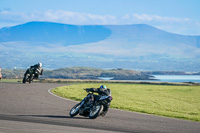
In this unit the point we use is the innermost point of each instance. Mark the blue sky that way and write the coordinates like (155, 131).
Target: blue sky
(176, 16)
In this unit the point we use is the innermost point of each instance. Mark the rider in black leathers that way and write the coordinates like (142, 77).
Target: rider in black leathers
(34, 68)
(102, 91)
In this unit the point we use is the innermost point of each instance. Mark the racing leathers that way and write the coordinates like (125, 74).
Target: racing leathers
(101, 92)
(32, 70)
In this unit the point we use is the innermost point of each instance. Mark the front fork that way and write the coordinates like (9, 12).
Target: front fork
(83, 101)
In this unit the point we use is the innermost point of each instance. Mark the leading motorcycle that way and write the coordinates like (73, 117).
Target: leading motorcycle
(30, 74)
(89, 108)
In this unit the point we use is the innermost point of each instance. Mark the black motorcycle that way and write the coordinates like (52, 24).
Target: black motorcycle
(90, 109)
(30, 74)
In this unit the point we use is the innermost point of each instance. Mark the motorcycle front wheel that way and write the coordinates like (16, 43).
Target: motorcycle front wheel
(31, 78)
(25, 78)
(96, 110)
(75, 110)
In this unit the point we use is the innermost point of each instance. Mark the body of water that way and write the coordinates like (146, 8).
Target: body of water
(168, 78)
(178, 78)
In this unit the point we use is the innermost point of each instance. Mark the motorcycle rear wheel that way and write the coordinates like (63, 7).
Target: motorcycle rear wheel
(75, 110)
(95, 112)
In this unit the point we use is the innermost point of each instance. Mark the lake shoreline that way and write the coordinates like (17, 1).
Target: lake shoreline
(166, 78)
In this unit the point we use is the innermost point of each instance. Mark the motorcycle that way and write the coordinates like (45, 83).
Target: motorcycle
(30, 74)
(88, 109)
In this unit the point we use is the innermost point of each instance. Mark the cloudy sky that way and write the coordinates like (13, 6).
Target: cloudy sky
(176, 16)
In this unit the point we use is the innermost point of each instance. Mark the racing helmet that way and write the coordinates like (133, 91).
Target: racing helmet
(103, 87)
(40, 64)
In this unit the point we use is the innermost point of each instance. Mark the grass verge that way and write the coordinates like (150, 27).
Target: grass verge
(164, 100)
(10, 80)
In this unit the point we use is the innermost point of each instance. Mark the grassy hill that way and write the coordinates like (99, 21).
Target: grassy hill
(12, 73)
(82, 73)
(94, 73)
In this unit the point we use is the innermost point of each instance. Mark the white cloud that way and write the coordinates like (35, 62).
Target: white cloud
(183, 26)
(10, 18)
(59, 16)
(146, 17)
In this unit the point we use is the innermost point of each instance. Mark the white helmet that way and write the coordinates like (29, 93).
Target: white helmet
(40, 64)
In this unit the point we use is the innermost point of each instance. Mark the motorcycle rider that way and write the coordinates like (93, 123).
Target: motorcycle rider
(35, 67)
(102, 91)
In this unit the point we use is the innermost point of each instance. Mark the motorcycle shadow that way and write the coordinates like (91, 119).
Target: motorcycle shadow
(55, 116)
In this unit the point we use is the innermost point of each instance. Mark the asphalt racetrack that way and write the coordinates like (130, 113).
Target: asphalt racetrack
(30, 108)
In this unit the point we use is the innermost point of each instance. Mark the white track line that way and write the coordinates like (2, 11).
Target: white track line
(60, 96)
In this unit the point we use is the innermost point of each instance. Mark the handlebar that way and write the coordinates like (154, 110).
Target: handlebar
(87, 90)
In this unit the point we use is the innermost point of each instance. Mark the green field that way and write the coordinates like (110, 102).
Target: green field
(10, 80)
(164, 100)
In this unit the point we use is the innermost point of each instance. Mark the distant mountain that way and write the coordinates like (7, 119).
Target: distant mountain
(142, 40)
(137, 46)
(54, 33)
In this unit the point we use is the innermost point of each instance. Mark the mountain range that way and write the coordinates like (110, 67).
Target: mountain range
(137, 46)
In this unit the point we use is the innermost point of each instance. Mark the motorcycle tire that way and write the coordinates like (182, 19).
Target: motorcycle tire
(96, 112)
(24, 80)
(75, 110)
(31, 79)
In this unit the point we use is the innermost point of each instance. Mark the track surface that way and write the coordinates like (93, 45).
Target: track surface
(30, 108)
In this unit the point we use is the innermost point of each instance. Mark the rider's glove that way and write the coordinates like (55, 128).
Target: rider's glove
(87, 90)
